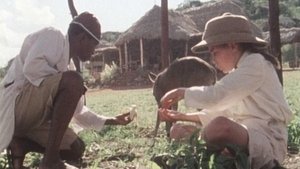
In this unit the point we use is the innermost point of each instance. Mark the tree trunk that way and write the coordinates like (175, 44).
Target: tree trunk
(275, 34)
(164, 35)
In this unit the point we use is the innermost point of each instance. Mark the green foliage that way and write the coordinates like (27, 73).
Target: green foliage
(188, 4)
(288, 53)
(292, 93)
(285, 9)
(195, 155)
(109, 73)
(295, 11)
(250, 6)
(257, 9)
(3, 160)
(294, 132)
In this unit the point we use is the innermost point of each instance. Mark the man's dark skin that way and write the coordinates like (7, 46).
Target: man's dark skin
(70, 90)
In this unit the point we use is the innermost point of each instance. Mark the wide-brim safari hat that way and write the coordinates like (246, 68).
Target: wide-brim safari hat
(227, 28)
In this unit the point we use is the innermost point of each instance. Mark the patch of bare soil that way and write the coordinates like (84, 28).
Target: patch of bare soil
(292, 161)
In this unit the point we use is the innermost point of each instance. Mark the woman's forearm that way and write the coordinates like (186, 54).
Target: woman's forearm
(191, 117)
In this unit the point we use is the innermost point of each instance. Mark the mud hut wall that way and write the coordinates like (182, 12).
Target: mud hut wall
(105, 57)
(152, 52)
(96, 63)
(122, 57)
(110, 57)
(134, 53)
(97, 57)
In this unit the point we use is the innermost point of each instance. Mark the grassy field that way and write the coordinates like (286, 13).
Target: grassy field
(292, 89)
(124, 146)
(135, 139)
(130, 147)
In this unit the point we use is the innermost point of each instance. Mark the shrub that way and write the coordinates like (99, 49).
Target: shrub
(195, 155)
(294, 136)
(109, 73)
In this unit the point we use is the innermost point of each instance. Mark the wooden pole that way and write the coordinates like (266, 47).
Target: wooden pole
(126, 56)
(142, 52)
(275, 34)
(296, 46)
(164, 35)
(186, 51)
(120, 59)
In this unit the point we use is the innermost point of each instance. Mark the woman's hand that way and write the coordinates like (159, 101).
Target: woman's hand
(168, 115)
(172, 97)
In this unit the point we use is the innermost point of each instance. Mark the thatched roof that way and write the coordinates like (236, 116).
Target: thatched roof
(106, 49)
(107, 39)
(200, 15)
(287, 35)
(104, 52)
(104, 44)
(149, 27)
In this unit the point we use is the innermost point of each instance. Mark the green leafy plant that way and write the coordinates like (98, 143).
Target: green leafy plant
(4, 160)
(109, 73)
(195, 155)
(294, 136)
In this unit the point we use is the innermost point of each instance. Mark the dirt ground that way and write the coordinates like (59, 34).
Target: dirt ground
(292, 161)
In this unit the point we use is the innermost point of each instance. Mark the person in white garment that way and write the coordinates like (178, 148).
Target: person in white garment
(247, 106)
(40, 95)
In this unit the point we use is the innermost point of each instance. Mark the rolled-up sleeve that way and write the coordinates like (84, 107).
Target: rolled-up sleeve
(87, 119)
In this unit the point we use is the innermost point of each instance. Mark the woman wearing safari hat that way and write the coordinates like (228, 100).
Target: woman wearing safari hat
(247, 106)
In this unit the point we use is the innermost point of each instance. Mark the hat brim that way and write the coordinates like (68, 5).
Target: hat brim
(203, 45)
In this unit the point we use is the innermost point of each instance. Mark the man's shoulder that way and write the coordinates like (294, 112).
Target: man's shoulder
(47, 32)
(50, 30)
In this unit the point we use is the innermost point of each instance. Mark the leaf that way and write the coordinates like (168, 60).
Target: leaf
(152, 165)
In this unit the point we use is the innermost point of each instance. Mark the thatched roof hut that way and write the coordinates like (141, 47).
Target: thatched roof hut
(140, 44)
(98, 58)
(200, 15)
(102, 56)
(108, 55)
(149, 27)
(287, 35)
